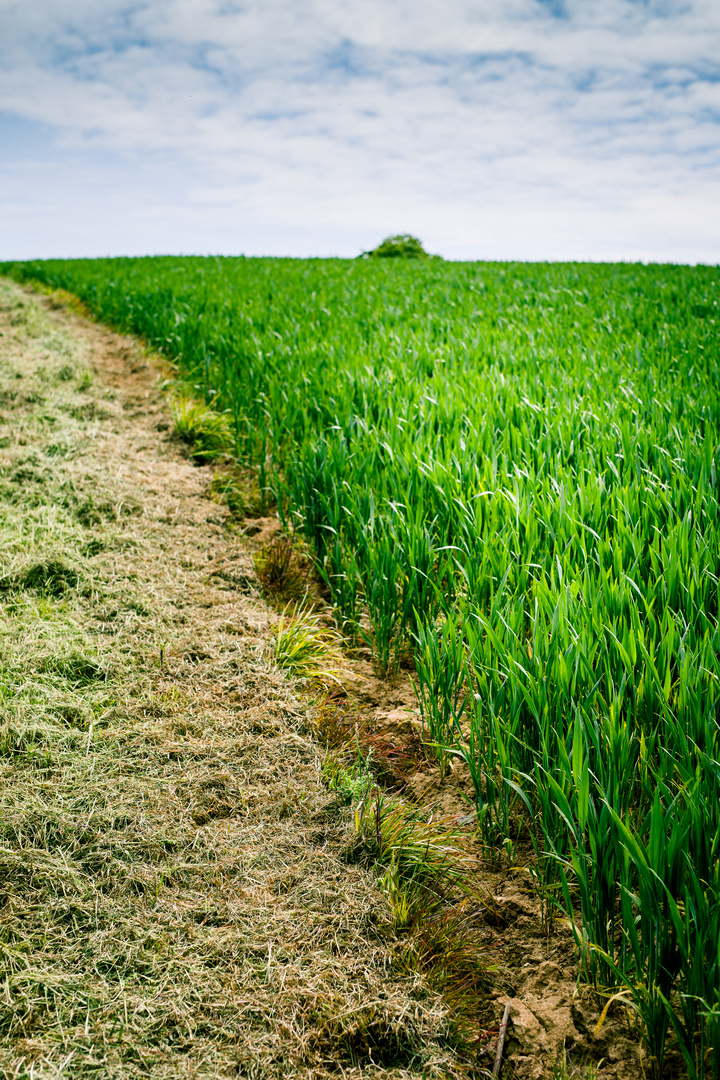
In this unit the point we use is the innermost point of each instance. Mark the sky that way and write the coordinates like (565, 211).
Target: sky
(491, 129)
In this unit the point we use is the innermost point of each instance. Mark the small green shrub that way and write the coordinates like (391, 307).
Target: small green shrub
(403, 246)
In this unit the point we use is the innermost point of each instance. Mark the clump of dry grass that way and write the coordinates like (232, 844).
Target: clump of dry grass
(283, 569)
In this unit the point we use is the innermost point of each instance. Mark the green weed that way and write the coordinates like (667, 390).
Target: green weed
(204, 430)
(304, 647)
(350, 782)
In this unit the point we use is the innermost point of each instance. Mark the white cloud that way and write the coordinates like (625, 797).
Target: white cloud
(527, 129)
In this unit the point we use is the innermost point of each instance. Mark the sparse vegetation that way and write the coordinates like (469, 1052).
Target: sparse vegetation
(227, 489)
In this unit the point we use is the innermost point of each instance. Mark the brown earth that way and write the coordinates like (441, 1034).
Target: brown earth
(177, 899)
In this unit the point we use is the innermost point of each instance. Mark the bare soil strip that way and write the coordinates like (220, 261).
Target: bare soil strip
(176, 896)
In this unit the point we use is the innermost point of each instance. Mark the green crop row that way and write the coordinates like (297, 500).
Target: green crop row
(508, 473)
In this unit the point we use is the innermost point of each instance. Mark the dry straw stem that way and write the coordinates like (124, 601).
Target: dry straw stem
(174, 896)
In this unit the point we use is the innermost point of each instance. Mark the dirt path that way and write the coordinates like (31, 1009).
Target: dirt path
(174, 897)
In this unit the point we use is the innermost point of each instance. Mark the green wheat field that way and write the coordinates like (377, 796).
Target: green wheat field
(508, 476)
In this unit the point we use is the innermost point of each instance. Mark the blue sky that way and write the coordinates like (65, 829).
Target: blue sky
(504, 129)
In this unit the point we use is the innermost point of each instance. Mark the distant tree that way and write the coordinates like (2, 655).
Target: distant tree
(398, 247)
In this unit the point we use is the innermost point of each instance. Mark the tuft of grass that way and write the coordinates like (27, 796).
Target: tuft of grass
(372, 1036)
(76, 668)
(350, 737)
(425, 863)
(52, 577)
(62, 299)
(563, 1068)
(282, 569)
(204, 430)
(304, 647)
